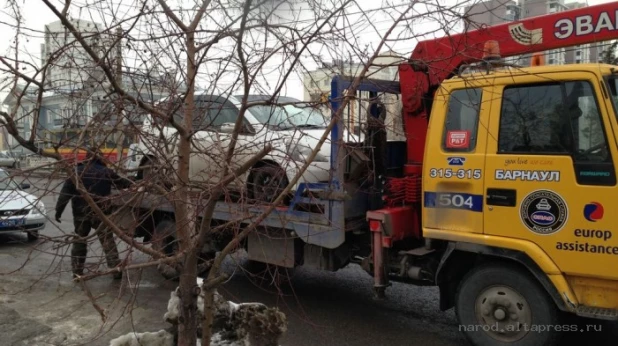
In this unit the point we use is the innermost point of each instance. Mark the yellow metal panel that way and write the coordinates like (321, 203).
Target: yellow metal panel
(581, 256)
(582, 246)
(532, 250)
(453, 176)
(595, 292)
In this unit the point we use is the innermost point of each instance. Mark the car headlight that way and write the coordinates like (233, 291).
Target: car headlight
(39, 208)
(301, 152)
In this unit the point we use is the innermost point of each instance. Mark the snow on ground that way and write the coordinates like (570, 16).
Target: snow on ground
(246, 324)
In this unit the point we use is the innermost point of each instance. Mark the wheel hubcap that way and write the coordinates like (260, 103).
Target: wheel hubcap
(499, 314)
(503, 313)
(268, 190)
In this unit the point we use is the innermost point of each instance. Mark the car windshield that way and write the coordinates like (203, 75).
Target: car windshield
(288, 116)
(6, 182)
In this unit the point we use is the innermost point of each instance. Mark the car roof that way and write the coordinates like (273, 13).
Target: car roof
(262, 97)
(235, 99)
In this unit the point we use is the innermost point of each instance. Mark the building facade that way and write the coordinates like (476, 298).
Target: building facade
(317, 88)
(64, 113)
(69, 65)
(492, 12)
(495, 12)
(76, 93)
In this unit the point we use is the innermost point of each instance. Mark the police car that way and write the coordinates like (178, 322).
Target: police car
(19, 210)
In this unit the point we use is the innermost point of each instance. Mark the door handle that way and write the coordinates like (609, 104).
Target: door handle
(501, 197)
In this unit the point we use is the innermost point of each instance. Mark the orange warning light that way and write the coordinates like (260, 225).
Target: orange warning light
(537, 59)
(491, 50)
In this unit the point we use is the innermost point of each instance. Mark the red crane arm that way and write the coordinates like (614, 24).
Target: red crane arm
(433, 61)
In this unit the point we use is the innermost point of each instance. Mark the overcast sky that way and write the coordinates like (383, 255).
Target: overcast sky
(36, 15)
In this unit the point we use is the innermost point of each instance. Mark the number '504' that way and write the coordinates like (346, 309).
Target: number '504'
(455, 200)
(457, 173)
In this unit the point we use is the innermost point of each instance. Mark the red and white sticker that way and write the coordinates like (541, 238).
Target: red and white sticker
(458, 139)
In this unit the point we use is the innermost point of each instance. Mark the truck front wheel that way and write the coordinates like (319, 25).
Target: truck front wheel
(504, 305)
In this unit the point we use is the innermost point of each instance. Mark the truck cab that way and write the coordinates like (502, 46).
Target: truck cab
(520, 170)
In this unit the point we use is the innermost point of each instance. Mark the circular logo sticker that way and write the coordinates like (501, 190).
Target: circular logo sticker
(543, 212)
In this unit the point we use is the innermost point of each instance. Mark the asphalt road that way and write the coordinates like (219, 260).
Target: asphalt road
(40, 305)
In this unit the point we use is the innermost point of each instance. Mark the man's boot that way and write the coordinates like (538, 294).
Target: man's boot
(78, 259)
(117, 275)
(77, 264)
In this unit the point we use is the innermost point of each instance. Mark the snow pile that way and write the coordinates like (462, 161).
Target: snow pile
(160, 338)
(246, 324)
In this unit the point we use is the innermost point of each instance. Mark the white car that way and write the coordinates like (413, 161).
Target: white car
(19, 210)
(7, 160)
(292, 130)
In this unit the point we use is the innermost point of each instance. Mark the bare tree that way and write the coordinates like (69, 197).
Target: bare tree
(137, 72)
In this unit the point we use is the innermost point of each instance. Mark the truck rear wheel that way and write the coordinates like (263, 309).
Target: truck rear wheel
(504, 305)
(266, 274)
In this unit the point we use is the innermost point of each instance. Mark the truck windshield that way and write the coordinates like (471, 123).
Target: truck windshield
(612, 83)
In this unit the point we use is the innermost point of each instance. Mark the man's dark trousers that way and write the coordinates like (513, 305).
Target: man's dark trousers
(79, 251)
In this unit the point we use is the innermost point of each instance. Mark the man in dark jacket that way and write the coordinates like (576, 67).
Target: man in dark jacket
(97, 180)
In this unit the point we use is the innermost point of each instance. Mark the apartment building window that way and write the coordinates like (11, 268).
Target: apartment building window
(509, 16)
(315, 97)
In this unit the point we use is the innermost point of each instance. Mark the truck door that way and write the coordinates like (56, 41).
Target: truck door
(550, 176)
(454, 162)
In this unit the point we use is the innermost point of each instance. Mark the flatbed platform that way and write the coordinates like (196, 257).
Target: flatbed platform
(312, 228)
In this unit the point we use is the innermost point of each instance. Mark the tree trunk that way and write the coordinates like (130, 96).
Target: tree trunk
(187, 329)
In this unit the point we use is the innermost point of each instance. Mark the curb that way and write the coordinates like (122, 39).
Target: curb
(39, 174)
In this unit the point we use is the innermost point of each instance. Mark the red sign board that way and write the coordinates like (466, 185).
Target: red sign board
(458, 139)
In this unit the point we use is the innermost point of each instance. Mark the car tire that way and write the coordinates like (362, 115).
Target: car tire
(164, 240)
(266, 182)
(32, 235)
(493, 300)
(157, 177)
